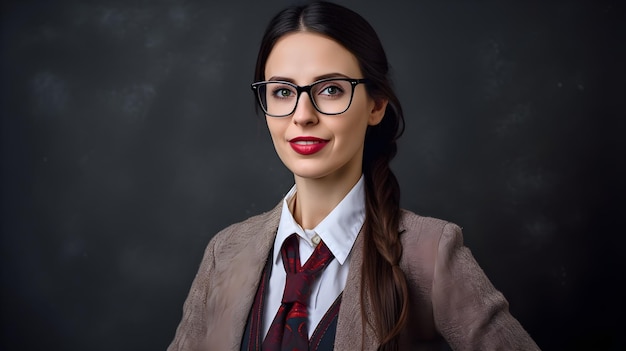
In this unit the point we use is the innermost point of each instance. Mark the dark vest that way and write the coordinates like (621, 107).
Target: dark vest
(323, 337)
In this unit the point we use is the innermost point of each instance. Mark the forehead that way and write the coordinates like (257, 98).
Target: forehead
(304, 56)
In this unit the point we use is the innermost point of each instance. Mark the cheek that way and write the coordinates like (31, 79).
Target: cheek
(354, 125)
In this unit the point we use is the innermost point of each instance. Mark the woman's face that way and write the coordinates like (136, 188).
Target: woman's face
(313, 145)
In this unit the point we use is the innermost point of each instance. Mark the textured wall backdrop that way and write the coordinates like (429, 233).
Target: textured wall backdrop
(129, 138)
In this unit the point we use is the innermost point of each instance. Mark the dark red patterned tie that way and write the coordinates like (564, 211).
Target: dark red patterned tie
(289, 329)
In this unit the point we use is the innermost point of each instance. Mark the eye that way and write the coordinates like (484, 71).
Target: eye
(282, 92)
(332, 90)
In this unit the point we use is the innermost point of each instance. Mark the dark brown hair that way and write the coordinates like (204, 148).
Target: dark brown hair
(382, 278)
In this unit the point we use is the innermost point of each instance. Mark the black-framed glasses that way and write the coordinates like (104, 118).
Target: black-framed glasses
(331, 96)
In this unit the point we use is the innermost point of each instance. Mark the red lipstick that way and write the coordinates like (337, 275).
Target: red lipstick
(307, 145)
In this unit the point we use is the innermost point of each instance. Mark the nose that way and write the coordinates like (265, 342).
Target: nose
(305, 113)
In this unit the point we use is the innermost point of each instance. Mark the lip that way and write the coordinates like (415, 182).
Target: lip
(307, 145)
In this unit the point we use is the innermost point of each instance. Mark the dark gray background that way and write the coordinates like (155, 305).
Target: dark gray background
(129, 138)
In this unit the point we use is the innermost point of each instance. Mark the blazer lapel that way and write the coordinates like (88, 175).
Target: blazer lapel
(245, 252)
(350, 324)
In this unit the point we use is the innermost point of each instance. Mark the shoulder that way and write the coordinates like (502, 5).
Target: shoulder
(423, 239)
(416, 228)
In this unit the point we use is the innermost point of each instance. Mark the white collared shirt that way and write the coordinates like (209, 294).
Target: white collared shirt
(338, 231)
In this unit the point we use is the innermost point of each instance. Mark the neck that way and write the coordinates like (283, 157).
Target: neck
(316, 198)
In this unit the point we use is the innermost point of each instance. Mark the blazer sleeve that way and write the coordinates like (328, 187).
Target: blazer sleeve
(193, 325)
(468, 310)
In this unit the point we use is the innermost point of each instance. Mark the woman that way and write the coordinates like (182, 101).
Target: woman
(382, 278)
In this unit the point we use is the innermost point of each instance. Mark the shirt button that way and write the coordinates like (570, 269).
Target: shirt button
(316, 239)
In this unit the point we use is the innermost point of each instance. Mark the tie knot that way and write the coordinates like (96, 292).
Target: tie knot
(298, 288)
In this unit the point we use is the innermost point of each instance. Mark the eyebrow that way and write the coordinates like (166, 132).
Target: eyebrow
(315, 79)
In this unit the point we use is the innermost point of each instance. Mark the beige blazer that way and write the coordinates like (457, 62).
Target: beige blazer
(451, 297)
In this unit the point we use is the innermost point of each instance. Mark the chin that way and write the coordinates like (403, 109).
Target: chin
(308, 174)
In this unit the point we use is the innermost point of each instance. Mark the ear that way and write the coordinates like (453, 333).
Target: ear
(377, 111)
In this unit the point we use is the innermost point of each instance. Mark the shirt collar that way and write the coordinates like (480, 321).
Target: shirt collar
(338, 230)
